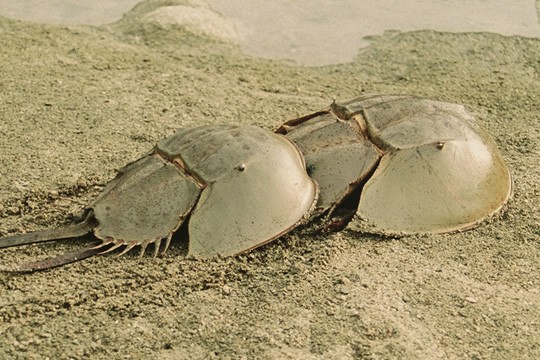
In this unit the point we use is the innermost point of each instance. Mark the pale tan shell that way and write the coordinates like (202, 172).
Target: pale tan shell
(255, 187)
(435, 169)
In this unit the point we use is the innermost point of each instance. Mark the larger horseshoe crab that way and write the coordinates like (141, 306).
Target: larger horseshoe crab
(387, 164)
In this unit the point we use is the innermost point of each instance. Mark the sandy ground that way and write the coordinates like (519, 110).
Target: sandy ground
(79, 102)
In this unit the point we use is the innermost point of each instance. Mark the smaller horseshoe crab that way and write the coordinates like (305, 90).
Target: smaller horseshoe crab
(387, 164)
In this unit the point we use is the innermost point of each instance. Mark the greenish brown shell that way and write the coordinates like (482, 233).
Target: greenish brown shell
(241, 187)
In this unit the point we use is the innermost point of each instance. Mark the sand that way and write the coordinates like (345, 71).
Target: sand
(79, 102)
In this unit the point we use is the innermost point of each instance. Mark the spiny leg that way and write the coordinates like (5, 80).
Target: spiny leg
(128, 247)
(116, 245)
(157, 244)
(167, 243)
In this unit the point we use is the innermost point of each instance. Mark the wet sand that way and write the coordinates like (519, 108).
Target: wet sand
(80, 102)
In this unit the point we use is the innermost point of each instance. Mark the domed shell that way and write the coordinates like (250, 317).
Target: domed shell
(440, 172)
(255, 187)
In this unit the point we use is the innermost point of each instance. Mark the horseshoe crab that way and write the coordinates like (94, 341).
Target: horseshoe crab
(386, 164)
